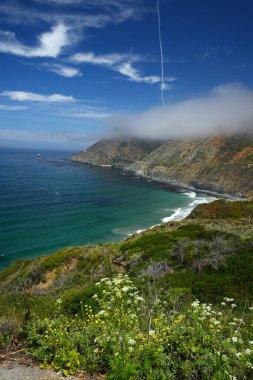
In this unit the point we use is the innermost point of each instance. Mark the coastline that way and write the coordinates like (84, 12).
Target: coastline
(181, 187)
(171, 184)
(180, 213)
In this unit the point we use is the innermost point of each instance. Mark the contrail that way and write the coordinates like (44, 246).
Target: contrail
(161, 50)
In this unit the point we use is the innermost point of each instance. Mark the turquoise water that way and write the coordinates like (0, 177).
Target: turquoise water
(47, 203)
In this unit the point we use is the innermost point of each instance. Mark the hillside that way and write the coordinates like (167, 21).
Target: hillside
(78, 267)
(117, 152)
(222, 164)
(59, 306)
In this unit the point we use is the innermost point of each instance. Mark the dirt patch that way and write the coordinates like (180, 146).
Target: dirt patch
(18, 367)
(217, 141)
(50, 276)
(10, 370)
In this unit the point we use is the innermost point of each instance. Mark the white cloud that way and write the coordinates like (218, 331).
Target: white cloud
(5, 107)
(134, 75)
(121, 63)
(108, 60)
(166, 86)
(227, 108)
(50, 44)
(90, 115)
(65, 71)
(23, 96)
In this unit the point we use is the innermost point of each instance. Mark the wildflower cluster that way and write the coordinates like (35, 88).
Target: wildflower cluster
(131, 337)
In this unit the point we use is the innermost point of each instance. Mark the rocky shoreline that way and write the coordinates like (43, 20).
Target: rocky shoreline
(170, 184)
(220, 166)
(177, 186)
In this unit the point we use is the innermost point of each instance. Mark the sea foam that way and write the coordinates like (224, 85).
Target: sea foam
(182, 213)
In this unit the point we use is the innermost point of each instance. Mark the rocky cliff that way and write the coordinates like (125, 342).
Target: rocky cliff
(222, 164)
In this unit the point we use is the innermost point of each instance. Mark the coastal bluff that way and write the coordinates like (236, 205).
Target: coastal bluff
(221, 164)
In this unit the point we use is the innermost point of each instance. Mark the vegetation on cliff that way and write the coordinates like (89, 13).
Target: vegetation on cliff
(129, 309)
(222, 164)
(116, 152)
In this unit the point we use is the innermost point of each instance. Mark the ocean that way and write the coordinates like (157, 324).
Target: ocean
(48, 203)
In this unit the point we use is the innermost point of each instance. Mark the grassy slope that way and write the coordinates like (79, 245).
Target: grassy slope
(209, 255)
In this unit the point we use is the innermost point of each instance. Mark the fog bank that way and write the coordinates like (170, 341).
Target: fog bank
(225, 109)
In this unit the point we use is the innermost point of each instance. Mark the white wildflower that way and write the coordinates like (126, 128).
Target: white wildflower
(234, 339)
(228, 299)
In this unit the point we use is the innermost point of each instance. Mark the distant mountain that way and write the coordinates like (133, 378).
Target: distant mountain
(222, 164)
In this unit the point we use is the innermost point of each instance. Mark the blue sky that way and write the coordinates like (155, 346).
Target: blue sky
(70, 67)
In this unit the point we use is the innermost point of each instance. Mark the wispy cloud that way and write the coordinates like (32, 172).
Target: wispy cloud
(134, 75)
(211, 52)
(58, 137)
(90, 115)
(86, 111)
(60, 2)
(77, 13)
(63, 70)
(58, 105)
(23, 96)
(109, 60)
(122, 63)
(50, 44)
(4, 107)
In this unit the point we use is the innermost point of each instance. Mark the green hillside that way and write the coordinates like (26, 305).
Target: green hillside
(208, 256)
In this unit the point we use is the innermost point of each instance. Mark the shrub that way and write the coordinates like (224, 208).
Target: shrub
(130, 337)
